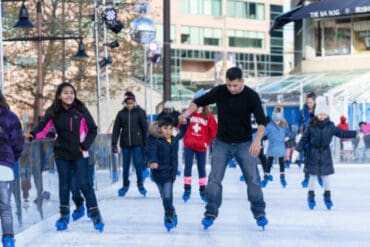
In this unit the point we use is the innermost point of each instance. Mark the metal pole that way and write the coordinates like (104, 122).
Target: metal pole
(151, 91)
(107, 85)
(2, 86)
(40, 83)
(146, 77)
(166, 50)
(98, 93)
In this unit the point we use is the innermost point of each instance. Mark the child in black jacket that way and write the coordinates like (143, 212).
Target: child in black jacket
(318, 136)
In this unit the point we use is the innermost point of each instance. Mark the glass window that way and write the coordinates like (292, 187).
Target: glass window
(246, 39)
(159, 34)
(361, 34)
(335, 37)
(202, 7)
(245, 9)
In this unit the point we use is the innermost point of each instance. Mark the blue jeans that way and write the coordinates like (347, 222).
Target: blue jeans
(75, 189)
(81, 169)
(201, 162)
(221, 155)
(166, 191)
(6, 208)
(136, 153)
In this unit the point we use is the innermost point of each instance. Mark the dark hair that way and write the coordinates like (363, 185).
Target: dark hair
(361, 123)
(3, 103)
(311, 95)
(205, 112)
(165, 121)
(57, 103)
(234, 73)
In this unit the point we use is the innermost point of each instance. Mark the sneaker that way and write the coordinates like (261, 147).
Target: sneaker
(78, 212)
(207, 222)
(8, 241)
(262, 222)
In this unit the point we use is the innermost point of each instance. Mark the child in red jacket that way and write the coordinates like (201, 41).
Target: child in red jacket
(201, 131)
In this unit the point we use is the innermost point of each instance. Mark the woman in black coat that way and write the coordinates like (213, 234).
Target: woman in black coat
(130, 127)
(318, 135)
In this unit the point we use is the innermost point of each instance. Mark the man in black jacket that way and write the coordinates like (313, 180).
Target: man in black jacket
(235, 105)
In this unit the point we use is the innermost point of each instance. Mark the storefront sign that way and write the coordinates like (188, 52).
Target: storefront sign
(325, 13)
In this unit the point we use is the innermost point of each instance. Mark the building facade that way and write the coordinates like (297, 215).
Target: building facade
(208, 36)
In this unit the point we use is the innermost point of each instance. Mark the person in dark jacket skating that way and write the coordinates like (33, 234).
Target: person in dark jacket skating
(162, 153)
(76, 131)
(318, 135)
(130, 127)
(11, 146)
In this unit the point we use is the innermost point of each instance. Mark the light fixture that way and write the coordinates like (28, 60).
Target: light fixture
(105, 61)
(81, 50)
(143, 30)
(24, 20)
(115, 26)
(109, 14)
(154, 52)
(112, 44)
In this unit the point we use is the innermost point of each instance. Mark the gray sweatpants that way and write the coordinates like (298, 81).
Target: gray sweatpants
(6, 209)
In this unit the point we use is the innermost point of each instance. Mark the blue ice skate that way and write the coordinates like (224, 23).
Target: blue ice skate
(207, 222)
(186, 195)
(123, 190)
(242, 178)
(262, 222)
(232, 164)
(170, 222)
(8, 242)
(327, 200)
(62, 223)
(304, 183)
(98, 222)
(78, 212)
(311, 199)
(142, 190)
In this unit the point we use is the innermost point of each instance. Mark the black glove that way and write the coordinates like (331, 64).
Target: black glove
(115, 149)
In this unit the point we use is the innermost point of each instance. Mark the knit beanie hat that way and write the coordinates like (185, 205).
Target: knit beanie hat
(321, 106)
(129, 95)
(277, 115)
(167, 105)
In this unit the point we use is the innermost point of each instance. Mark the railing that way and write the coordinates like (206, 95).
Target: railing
(35, 188)
(38, 201)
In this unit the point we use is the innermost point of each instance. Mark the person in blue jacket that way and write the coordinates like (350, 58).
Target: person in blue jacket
(276, 131)
(11, 146)
(317, 137)
(307, 113)
(162, 153)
